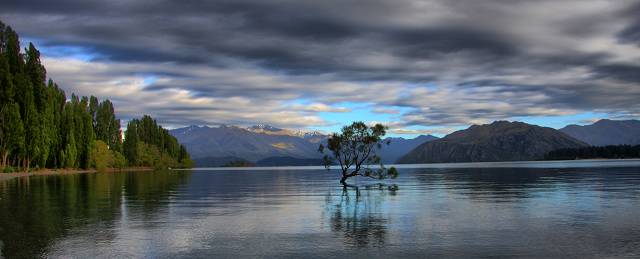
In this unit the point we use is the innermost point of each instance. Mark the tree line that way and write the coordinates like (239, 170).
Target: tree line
(41, 128)
(147, 143)
(611, 152)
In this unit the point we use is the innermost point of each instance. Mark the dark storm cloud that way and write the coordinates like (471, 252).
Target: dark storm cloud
(631, 33)
(628, 73)
(434, 42)
(488, 59)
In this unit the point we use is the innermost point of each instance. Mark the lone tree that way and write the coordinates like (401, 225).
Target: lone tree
(354, 149)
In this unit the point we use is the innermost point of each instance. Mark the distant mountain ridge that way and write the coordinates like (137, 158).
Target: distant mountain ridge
(233, 141)
(606, 132)
(401, 146)
(267, 145)
(498, 141)
(271, 130)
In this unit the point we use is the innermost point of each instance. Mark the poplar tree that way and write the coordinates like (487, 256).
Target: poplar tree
(41, 128)
(11, 132)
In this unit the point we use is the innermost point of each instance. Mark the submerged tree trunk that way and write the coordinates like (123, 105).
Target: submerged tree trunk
(346, 176)
(343, 180)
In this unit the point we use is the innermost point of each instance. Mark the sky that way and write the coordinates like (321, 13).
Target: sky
(420, 67)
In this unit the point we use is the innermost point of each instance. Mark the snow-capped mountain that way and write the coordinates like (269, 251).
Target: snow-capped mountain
(268, 129)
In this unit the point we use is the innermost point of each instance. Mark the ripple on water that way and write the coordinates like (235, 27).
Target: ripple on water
(450, 212)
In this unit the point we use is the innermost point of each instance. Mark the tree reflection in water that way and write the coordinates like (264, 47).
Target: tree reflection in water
(359, 214)
(36, 211)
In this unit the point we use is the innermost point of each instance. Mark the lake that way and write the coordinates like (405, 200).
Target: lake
(583, 209)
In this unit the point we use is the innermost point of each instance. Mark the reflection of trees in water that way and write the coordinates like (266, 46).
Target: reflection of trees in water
(359, 214)
(36, 211)
(148, 192)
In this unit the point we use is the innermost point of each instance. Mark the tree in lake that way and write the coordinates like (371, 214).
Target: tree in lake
(355, 149)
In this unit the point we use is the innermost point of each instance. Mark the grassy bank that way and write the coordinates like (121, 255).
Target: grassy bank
(7, 176)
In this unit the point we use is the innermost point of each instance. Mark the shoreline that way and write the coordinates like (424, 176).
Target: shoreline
(45, 172)
(635, 162)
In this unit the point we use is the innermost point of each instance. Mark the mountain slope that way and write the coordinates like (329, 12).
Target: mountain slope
(231, 141)
(401, 146)
(606, 132)
(498, 141)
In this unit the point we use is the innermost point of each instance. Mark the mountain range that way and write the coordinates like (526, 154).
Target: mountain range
(606, 132)
(498, 141)
(265, 145)
(233, 141)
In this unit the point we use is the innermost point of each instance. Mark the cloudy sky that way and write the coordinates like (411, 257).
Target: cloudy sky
(418, 66)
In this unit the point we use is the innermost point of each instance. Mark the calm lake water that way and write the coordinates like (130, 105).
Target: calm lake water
(536, 209)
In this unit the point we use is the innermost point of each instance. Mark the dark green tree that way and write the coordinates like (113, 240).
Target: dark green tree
(37, 75)
(87, 135)
(107, 127)
(131, 142)
(593, 152)
(69, 153)
(34, 137)
(148, 144)
(6, 82)
(11, 132)
(3, 39)
(12, 51)
(93, 108)
(56, 103)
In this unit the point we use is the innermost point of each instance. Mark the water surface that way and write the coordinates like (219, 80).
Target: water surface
(540, 210)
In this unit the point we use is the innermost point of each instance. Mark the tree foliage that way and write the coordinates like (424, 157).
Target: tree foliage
(11, 132)
(611, 152)
(148, 144)
(101, 156)
(355, 149)
(41, 128)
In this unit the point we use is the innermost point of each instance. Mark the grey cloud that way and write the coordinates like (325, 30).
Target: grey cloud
(624, 72)
(631, 32)
(488, 59)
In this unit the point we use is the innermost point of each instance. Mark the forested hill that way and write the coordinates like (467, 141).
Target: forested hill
(40, 127)
(595, 152)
